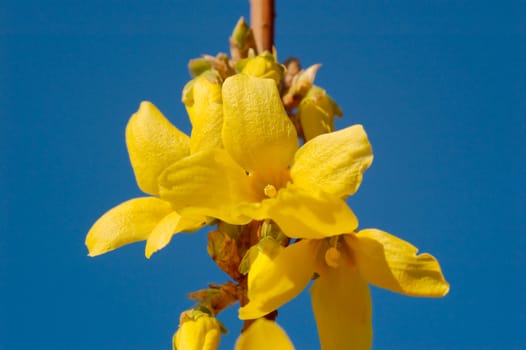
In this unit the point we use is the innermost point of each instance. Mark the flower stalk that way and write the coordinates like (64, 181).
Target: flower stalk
(262, 16)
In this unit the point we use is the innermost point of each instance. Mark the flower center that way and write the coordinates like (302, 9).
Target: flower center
(332, 257)
(267, 185)
(270, 191)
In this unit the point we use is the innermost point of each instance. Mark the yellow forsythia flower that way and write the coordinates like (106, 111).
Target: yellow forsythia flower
(340, 295)
(263, 174)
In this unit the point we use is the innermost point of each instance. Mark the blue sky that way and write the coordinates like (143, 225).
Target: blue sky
(440, 87)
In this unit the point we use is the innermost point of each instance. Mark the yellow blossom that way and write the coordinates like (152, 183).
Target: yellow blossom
(153, 144)
(340, 295)
(261, 173)
(197, 331)
(264, 335)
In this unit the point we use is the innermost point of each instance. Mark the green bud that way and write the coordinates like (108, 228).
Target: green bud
(241, 41)
(241, 32)
(197, 66)
(219, 63)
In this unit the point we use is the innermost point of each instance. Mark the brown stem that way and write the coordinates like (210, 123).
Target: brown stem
(262, 16)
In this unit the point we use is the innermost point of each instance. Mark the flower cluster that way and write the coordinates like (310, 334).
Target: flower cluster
(264, 166)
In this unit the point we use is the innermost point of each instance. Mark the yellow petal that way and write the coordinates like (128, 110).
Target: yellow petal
(202, 98)
(333, 162)
(274, 280)
(391, 263)
(171, 224)
(257, 131)
(207, 183)
(153, 144)
(342, 307)
(314, 120)
(129, 222)
(302, 214)
(264, 335)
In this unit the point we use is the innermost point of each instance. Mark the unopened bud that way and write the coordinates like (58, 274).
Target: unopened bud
(292, 68)
(197, 66)
(305, 79)
(203, 101)
(241, 41)
(300, 86)
(262, 66)
(223, 250)
(197, 331)
(316, 113)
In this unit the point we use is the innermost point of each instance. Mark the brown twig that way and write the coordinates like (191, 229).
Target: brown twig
(262, 16)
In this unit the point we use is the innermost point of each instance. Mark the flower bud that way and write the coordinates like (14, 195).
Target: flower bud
(197, 331)
(223, 250)
(316, 113)
(203, 101)
(219, 63)
(262, 66)
(197, 66)
(241, 41)
(292, 68)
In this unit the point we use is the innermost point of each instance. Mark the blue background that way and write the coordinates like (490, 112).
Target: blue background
(439, 85)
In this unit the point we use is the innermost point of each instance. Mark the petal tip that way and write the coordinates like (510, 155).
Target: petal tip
(145, 104)
(148, 252)
(95, 252)
(445, 289)
(250, 312)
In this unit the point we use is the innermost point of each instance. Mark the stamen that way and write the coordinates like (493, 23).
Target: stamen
(270, 191)
(332, 257)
